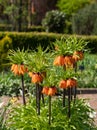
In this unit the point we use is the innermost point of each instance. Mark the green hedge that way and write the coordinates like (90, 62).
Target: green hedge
(92, 42)
(32, 40)
(9, 27)
(4, 27)
(35, 29)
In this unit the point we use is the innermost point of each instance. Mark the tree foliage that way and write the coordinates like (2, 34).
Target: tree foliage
(15, 13)
(72, 6)
(85, 21)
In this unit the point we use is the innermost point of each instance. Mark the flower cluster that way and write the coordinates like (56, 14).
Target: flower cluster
(68, 60)
(69, 83)
(18, 69)
(49, 91)
(36, 77)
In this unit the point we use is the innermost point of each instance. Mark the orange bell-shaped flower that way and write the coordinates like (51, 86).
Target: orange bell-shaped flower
(71, 83)
(18, 69)
(63, 84)
(45, 90)
(52, 91)
(36, 78)
(15, 69)
(22, 70)
(59, 61)
(69, 61)
(13, 66)
(78, 55)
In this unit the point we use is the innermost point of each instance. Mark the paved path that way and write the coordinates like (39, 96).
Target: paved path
(92, 99)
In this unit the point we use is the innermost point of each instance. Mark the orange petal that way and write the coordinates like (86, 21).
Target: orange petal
(63, 84)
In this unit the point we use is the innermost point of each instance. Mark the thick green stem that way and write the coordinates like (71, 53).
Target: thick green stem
(23, 90)
(69, 103)
(75, 89)
(41, 95)
(64, 90)
(49, 110)
(38, 99)
(42, 98)
(64, 95)
(75, 93)
(71, 94)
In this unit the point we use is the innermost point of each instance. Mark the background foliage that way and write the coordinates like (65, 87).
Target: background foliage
(84, 22)
(54, 21)
(71, 6)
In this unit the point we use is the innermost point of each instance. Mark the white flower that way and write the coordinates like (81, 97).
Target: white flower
(92, 114)
(1, 104)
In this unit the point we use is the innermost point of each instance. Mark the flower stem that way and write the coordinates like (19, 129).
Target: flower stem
(49, 110)
(38, 99)
(75, 88)
(41, 95)
(75, 92)
(23, 90)
(64, 94)
(69, 100)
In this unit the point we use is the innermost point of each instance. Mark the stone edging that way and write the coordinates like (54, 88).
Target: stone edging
(86, 90)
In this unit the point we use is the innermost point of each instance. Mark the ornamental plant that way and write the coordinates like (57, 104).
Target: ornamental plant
(67, 46)
(68, 83)
(48, 79)
(16, 59)
(67, 53)
(50, 84)
(37, 64)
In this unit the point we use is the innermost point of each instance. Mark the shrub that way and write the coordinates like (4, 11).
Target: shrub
(54, 21)
(84, 22)
(33, 40)
(5, 45)
(35, 29)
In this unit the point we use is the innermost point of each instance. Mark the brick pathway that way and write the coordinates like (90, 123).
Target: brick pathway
(92, 99)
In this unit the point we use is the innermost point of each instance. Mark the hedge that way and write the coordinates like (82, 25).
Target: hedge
(35, 29)
(4, 27)
(9, 27)
(32, 40)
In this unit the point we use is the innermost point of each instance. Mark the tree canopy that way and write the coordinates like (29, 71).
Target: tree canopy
(72, 6)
